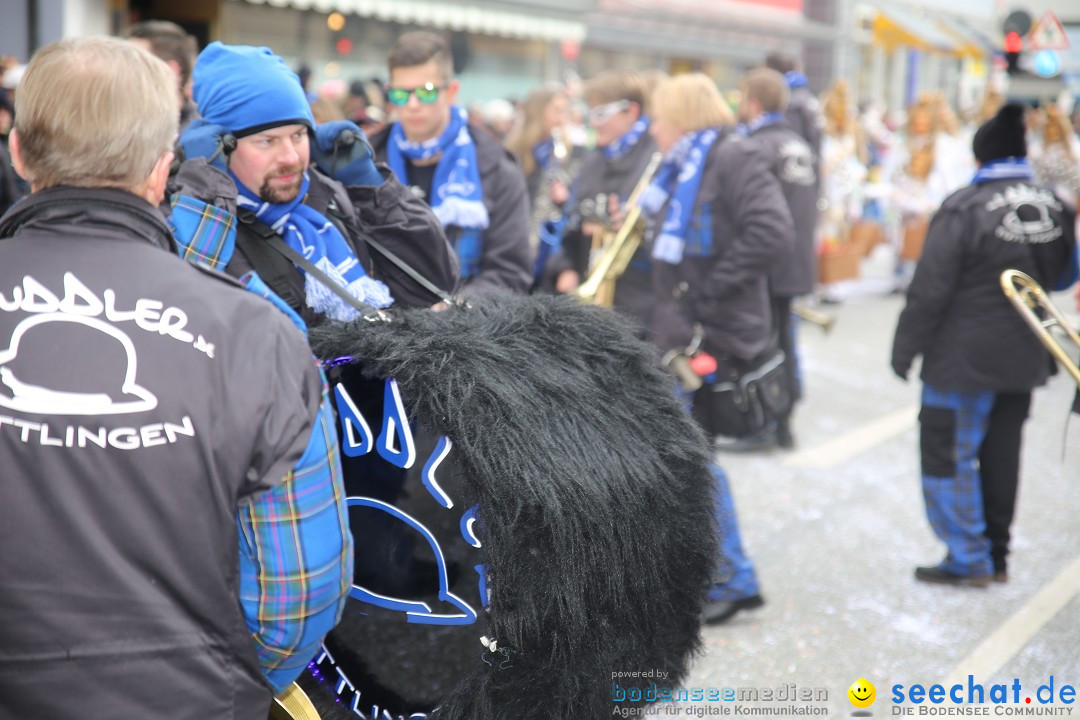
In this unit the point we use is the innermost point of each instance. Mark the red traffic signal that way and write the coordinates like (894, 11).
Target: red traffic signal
(1013, 42)
(344, 45)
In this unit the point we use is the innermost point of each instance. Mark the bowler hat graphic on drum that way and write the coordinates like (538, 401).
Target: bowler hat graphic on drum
(71, 365)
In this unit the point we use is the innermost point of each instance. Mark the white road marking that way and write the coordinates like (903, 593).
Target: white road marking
(1018, 630)
(855, 441)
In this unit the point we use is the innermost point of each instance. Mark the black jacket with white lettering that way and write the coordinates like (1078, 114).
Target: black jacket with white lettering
(141, 398)
(970, 336)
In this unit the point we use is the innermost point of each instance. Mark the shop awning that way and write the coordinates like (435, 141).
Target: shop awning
(897, 27)
(450, 15)
(968, 43)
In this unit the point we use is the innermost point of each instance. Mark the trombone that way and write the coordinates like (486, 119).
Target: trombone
(814, 317)
(616, 250)
(1028, 296)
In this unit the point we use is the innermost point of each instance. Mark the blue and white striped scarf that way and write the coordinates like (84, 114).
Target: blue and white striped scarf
(1010, 168)
(312, 235)
(678, 179)
(622, 145)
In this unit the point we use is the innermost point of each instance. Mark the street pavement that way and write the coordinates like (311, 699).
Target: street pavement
(837, 525)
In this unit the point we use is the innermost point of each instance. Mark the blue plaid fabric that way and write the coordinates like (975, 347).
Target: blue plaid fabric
(205, 234)
(954, 502)
(296, 557)
(296, 551)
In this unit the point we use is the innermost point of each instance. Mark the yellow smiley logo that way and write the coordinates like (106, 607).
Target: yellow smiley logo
(862, 693)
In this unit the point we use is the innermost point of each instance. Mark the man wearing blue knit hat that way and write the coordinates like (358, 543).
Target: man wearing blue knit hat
(314, 188)
(471, 182)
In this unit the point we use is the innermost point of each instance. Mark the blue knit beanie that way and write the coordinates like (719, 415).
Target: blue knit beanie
(248, 89)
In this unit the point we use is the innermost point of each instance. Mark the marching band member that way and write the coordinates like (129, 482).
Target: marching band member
(541, 145)
(980, 360)
(719, 222)
(607, 176)
(791, 161)
(473, 185)
(194, 505)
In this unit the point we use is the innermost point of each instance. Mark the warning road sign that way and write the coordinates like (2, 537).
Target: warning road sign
(1048, 34)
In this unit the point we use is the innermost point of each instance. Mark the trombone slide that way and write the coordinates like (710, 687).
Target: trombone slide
(1026, 295)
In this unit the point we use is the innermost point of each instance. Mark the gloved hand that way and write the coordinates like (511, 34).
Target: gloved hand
(900, 370)
(343, 152)
(202, 139)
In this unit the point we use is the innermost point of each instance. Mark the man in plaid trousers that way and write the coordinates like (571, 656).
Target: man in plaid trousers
(980, 361)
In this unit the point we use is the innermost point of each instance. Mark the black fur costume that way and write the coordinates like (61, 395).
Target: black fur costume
(595, 504)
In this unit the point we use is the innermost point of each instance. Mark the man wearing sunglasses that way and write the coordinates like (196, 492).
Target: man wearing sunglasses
(471, 183)
(608, 175)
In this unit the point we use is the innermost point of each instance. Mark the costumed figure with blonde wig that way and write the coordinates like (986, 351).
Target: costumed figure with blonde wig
(843, 167)
(1057, 157)
(919, 184)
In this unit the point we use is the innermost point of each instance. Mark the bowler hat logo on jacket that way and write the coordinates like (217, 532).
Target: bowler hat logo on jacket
(1028, 219)
(798, 163)
(45, 369)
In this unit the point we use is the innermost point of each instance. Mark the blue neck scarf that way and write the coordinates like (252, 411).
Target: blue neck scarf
(317, 239)
(677, 184)
(759, 122)
(457, 196)
(1010, 168)
(795, 80)
(623, 145)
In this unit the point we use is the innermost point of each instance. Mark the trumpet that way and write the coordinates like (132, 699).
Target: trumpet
(814, 317)
(1028, 297)
(615, 250)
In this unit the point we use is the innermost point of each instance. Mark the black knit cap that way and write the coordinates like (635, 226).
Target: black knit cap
(1001, 136)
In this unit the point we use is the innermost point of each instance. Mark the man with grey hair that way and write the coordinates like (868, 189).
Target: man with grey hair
(173, 535)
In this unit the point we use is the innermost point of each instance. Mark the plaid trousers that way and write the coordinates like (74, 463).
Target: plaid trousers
(952, 428)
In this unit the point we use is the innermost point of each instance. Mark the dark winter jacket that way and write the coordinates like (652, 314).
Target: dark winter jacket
(598, 180)
(792, 163)
(726, 290)
(141, 398)
(970, 336)
(805, 117)
(505, 263)
(389, 212)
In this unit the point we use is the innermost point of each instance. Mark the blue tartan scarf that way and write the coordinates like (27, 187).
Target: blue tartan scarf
(1011, 168)
(312, 235)
(621, 146)
(678, 180)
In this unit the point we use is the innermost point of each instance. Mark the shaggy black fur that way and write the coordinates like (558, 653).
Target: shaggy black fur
(595, 500)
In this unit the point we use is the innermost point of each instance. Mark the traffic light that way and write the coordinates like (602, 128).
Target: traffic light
(1016, 26)
(1014, 45)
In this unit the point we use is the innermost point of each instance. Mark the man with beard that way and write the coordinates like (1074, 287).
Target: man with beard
(315, 190)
